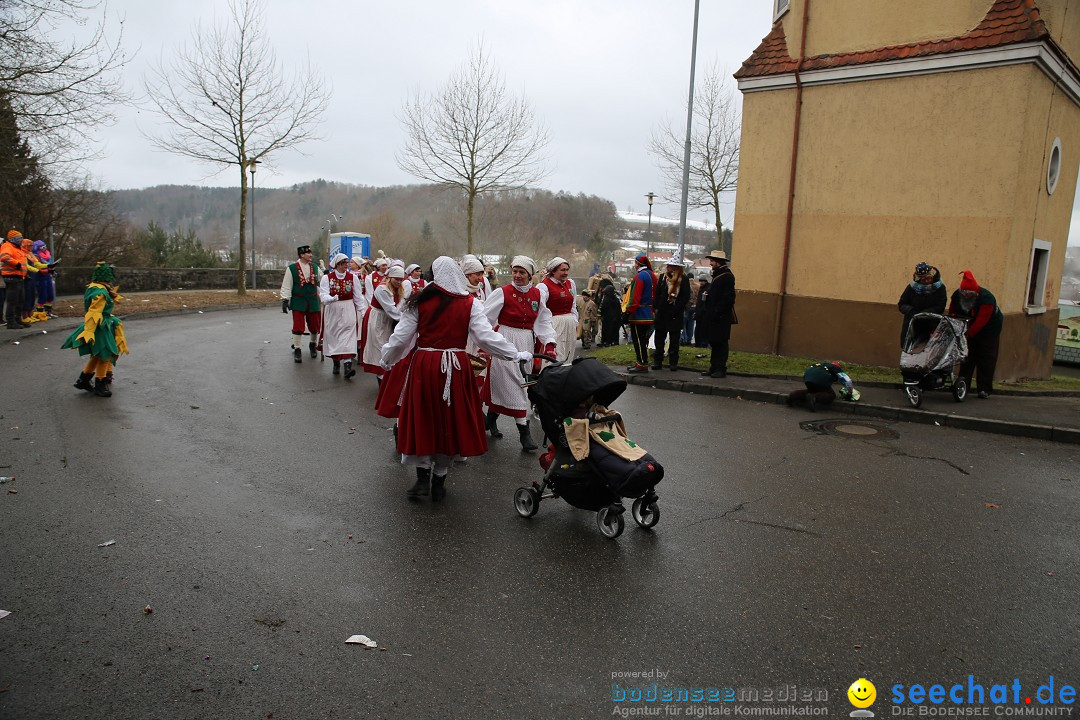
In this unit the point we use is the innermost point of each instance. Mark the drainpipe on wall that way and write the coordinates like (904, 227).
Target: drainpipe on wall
(791, 181)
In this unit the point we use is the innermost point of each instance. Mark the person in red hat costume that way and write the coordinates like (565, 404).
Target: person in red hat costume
(979, 306)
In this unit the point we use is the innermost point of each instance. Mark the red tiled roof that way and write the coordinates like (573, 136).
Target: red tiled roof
(1007, 22)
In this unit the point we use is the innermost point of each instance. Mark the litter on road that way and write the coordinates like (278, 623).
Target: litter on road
(107, 543)
(4, 613)
(362, 640)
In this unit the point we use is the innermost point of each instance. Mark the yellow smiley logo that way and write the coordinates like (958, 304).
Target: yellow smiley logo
(862, 693)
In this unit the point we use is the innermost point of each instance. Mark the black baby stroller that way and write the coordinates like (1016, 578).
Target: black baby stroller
(581, 392)
(933, 346)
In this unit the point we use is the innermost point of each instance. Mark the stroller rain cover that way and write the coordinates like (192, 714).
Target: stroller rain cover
(933, 342)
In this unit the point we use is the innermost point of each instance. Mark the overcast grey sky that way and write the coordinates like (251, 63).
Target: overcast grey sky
(601, 74)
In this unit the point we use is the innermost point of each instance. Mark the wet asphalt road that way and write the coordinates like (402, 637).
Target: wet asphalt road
(232, 479)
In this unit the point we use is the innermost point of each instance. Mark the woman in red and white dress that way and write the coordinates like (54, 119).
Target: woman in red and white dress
(384, 311)
(342, 301)
(440, 416)
(415, 277)
(557, 293)
(519, 315)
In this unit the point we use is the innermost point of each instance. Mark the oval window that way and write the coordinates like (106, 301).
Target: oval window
(1053, 168)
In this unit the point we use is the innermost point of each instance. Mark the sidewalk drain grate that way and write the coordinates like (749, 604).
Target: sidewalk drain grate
(849, 429)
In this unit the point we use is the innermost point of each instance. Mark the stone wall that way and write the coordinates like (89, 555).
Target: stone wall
(73, 280)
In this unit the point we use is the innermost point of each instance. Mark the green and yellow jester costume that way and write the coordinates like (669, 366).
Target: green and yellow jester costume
(101, 334)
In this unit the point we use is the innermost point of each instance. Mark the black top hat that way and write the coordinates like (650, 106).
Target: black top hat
(303, 249)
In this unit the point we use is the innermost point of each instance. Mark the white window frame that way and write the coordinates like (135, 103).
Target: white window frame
(779, 8)
(1040, 252)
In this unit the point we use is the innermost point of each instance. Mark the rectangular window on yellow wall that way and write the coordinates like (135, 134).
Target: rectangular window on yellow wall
(1037, 271)
(779, 8)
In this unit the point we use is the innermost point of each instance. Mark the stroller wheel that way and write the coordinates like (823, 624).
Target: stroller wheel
(960, 389)
(914, 395)
(526, 501)
(645, 514)
(611, 523)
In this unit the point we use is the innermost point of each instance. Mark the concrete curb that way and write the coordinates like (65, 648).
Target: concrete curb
(885, 412)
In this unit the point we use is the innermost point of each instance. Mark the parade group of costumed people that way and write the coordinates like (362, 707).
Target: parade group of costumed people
(27, 290)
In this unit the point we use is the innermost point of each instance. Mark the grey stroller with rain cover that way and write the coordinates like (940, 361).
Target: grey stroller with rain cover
(933, 346)
(574, 398)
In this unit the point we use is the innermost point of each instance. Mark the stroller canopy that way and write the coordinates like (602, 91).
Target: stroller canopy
(933, 342)
(562, 387)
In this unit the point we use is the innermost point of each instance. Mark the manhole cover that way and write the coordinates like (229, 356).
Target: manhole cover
(847, 428)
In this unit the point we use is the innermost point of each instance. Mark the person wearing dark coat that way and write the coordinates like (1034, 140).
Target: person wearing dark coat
(610, 312)
(979, 306)
(701, 339)
(925, 293)
(669, 304)
(719, 313)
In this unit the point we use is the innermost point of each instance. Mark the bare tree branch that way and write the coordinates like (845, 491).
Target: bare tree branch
(230, 103)
(714, 149)
(473, 135)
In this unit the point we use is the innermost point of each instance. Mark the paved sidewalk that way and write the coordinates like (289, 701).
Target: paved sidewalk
(1044, 417)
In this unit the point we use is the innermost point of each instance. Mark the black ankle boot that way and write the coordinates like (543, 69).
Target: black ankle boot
(658, 359)
(311, 348)
(422, 487)
(297, 355)
(438, 487)
(108, 378)
(527, 443)
(349, 371)
(337, 368)
(83, 383)
(101, 388)
(493, 424)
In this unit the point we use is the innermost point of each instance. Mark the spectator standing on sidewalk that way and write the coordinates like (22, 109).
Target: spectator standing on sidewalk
(610, 310)
(701, 339)
(638, 311)
(690, 314)
(719, 313)
(979, 306)
(925, 293)
(669, 304)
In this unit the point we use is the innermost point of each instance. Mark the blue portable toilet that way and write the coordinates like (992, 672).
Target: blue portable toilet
(350, 243)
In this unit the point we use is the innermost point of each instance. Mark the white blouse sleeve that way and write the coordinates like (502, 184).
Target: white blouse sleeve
(542, 328)
(403, 339)
(494, 305)
(543, 288)
(286, 285)
(481, 333)
(359, 301)
(324, 290)
(387, 301)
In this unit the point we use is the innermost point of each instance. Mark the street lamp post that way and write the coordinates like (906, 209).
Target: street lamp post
(648, 240)
(689, 128)
(251, 168)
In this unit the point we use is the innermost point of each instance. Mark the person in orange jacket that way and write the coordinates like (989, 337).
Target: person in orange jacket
(13, 270)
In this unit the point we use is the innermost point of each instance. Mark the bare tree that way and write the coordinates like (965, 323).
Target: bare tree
(58, 88)
(230, 104)
(714, 149)
(473, 135)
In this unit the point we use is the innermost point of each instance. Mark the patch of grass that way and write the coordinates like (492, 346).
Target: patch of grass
(790, 366)
(144, 302)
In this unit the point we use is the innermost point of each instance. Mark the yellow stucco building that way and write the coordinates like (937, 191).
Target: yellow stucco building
(877, 134)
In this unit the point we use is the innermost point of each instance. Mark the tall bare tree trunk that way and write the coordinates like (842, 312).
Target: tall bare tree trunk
(469, 222)
(241, 264)
(719, 226)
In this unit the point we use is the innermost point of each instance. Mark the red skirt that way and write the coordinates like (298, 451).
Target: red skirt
(427, 425)
(386, 403)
